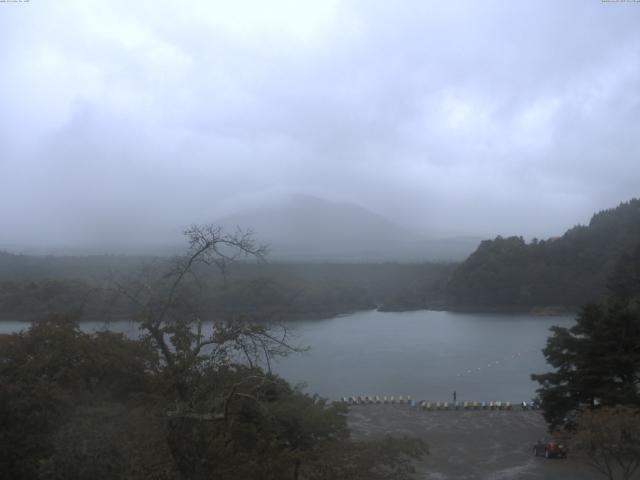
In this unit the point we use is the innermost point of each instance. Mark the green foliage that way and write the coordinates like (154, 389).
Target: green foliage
(599, 357)
(100, 406)
(563, 272)
(48, 375)
(109, 440)
(42, 297)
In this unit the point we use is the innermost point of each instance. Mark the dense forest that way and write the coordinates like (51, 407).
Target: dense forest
(560, 273)
(32, 286)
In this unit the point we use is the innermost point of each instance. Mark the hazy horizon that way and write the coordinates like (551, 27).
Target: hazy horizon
(125, 122)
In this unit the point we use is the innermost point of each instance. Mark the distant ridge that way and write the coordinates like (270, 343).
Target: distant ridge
(561, 272)
(297, 227)
(304, 227)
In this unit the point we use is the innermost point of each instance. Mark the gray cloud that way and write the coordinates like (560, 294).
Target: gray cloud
(471, 117)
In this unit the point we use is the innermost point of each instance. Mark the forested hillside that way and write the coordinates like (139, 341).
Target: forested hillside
(32, 286)
(565, 272)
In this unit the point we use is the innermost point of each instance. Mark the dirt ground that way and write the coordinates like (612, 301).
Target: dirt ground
(475, 444)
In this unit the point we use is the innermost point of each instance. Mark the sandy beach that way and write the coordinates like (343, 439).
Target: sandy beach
(469, 445)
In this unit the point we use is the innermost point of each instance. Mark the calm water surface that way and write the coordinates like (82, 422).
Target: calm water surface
(424, 354)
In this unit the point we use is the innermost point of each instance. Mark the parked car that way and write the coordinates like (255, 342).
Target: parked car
(552, 448)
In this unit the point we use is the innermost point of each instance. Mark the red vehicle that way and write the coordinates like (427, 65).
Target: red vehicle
(552, 448)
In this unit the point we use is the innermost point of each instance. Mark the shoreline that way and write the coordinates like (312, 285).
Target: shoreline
(549, 311)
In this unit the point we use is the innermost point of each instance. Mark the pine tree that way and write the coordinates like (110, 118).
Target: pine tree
(598, 359)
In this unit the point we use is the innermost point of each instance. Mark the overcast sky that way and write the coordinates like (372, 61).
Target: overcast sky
(472, 117)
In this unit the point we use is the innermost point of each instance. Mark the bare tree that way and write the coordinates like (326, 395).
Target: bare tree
(164, 301)
(608, 439)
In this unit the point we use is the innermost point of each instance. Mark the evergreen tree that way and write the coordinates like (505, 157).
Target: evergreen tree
(564, 272)
(598, 359)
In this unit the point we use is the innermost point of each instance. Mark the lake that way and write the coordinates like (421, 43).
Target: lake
(425, 354)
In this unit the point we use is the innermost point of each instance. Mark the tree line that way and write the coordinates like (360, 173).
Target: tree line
(184, 401)
(564, 272)
(85, 286)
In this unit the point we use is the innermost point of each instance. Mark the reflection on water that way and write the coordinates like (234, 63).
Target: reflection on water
(425, 354)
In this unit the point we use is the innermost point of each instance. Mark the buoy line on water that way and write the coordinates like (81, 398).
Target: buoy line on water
(495, 363)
